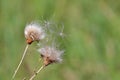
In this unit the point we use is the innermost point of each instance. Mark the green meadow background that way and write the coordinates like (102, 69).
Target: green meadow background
(91, 43)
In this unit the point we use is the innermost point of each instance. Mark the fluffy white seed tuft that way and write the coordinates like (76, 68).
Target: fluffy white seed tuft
(50, 54)
(33, 32)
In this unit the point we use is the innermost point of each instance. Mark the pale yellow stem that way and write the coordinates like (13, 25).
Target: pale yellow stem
(24, 53)
(35, 74)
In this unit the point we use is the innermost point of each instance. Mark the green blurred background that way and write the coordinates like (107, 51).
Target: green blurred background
(92, 42)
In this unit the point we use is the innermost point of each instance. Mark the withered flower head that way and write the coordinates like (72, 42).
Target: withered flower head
(50, 54)
(33, 32)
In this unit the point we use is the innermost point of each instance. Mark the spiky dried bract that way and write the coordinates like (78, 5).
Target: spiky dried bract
(33, 32)
(50, 54)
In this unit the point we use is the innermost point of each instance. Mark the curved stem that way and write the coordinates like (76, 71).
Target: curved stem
(24, 53)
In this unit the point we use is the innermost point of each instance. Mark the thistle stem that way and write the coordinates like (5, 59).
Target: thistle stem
(24, 53)
(35, 74)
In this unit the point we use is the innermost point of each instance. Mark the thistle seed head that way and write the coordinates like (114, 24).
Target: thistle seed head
(50, 54)
(33, 32)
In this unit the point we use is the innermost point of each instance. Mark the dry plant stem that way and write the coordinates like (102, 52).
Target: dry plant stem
(20, 61)
(35, 74)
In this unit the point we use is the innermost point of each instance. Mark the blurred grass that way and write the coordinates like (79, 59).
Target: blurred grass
(92, 43)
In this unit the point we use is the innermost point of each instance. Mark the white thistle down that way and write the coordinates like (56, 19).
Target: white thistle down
(50, 54)
(33, 32)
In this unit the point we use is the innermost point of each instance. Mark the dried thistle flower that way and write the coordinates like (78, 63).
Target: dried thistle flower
(50, 54)
(33, 32)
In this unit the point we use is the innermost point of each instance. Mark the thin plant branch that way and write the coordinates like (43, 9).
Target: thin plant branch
(35, 74)
(24, 53)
